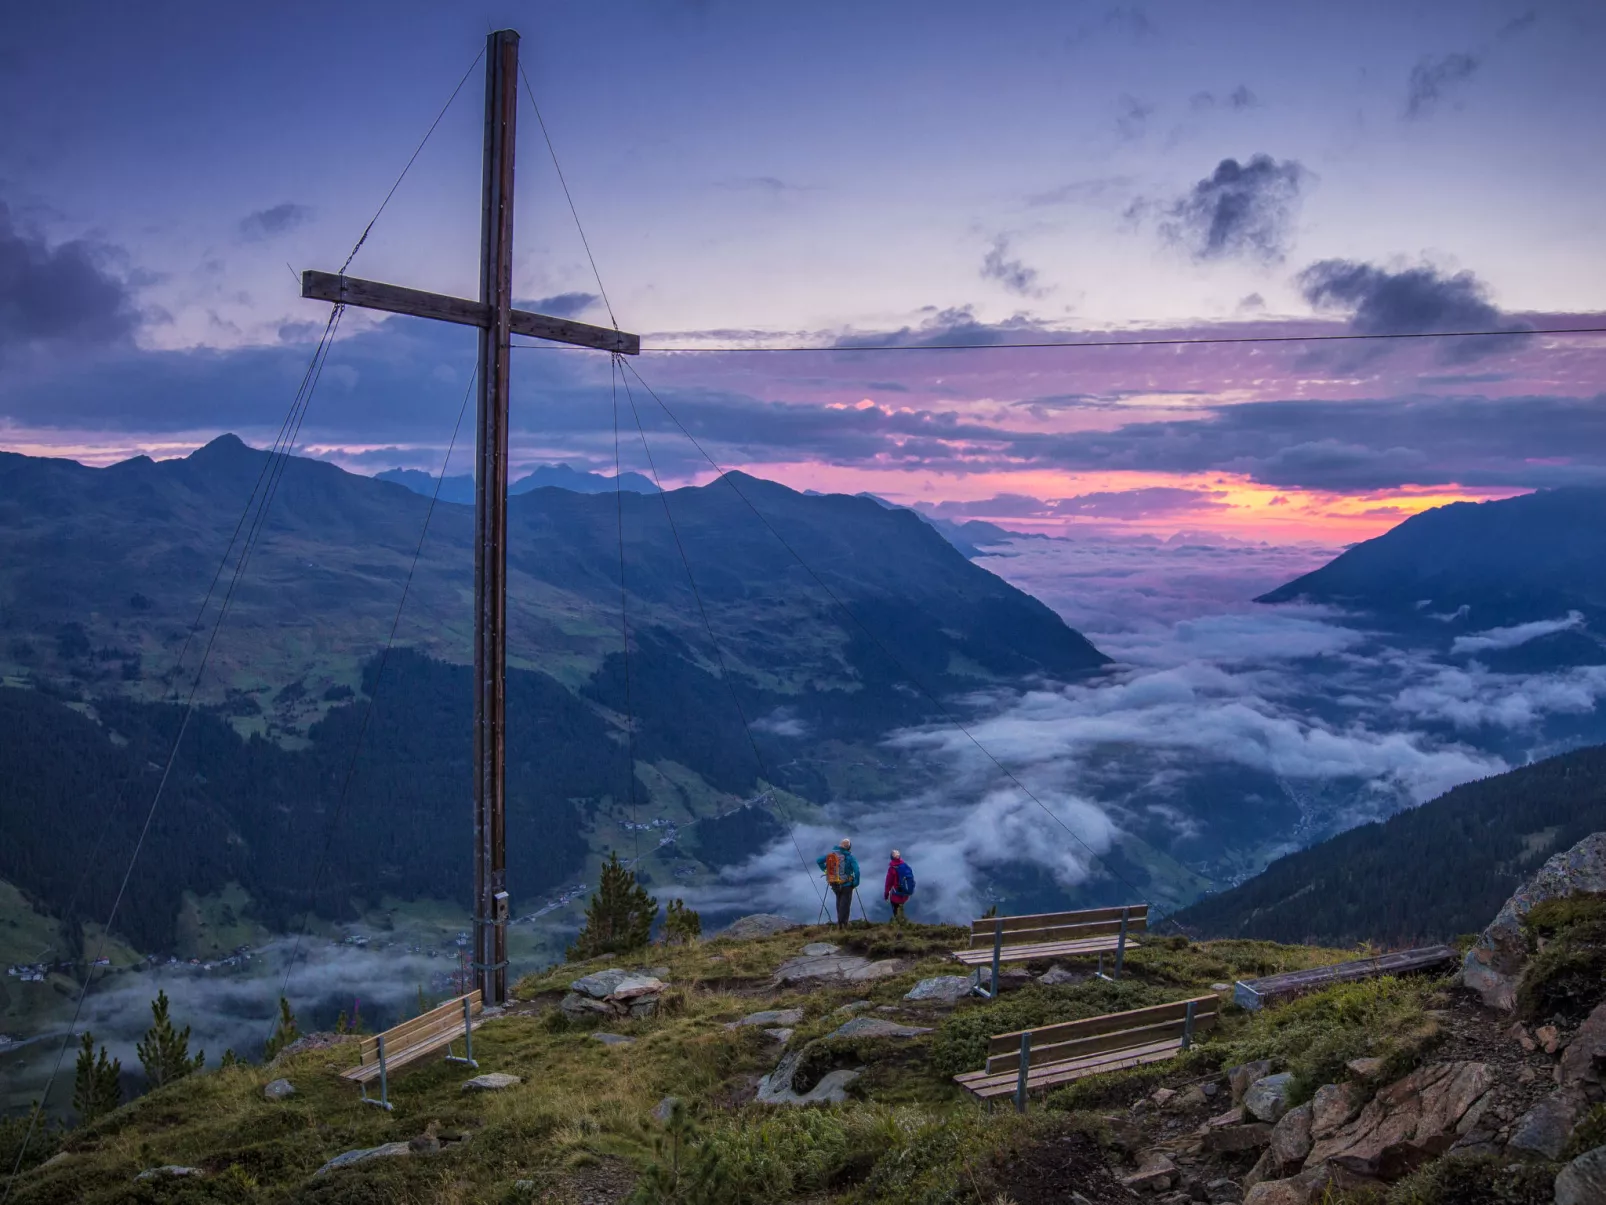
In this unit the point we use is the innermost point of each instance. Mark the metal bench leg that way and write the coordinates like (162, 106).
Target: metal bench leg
(1187, 1027)
(384, 1085)
(1120, 945)
(998, 949)
(468, 1040)
(1025, 1068)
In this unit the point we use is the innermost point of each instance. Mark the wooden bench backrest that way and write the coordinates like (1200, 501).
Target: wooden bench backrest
(424, 1025)
(1113, 1031)
(1059, 926)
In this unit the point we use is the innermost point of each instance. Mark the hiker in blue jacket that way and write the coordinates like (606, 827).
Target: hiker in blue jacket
(842, 873)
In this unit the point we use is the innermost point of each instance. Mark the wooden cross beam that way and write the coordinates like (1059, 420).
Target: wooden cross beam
(497, 320)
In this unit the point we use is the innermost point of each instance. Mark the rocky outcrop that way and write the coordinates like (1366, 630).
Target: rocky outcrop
(1583, 1181)
(616, 993)
(1545, 1128)
(1494, 964)
(1333, 1106)
(776, 1087)
(1409, 1122)
(1584, 1060)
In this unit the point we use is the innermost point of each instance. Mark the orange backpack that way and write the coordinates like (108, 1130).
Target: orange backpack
(835, 871)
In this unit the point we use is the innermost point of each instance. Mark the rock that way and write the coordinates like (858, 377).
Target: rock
(1583, 1181)
(1333, 1106)
(389, 1151)
(834, 966)
(1365, 1070)
(601, 983)
(1267, 1167)
(946, 988)
(578, 1006)
(1290, 1137)
(851, 1007)
(1055, 976)
(1407, 1123)
(1267, 1097)
(278, 1090)
(1584, 1060)
(424, 1144)
(1519, 1034)
(876, 1027)
(1241, 1077)
(1229, 1139)
(1211, 1090)
(1233, 1116)
(613, 1039)
(168, 1171)
(1009, 978)
(1194, 1097)
(1302, 1189)
(1549, 1037)
(817, 949)
(783, 1035)
(1125, 1134)
(1155, 1173)
(1494, 963)
(776, 1087)
(662, 1110)
(773, 1016)
(1545, 1128)
(1223, 1191)
(642, 1006)
(634, 987)
(491, 1081)
(760, 924)
(1162, 1096)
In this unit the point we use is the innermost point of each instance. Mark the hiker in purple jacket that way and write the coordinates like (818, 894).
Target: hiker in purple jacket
(900, 884)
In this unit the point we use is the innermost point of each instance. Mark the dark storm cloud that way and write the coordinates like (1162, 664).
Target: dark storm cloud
(1013, 274)
(1239, 209)
(562, 305)
(1432, 78)
(955, 324)
(65, 291)
(1414, 300)
(266, 224)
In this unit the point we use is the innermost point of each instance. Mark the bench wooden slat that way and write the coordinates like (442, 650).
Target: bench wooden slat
(1067, 1031)
(399, 1036)
(1123, 1039)
(395, 1059)
(1292, 983)
(1056, 933)
(985, 1086)
(1043, 951)
(1050, 919)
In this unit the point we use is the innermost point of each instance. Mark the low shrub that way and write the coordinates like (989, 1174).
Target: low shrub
(1476, 1181)
(1564, 977)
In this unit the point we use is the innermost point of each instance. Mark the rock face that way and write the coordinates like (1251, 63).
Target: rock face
(278, 1090)
(389, 1151)
(776, 1087)
(876, 1027)
(1227, 1139)
(1583, 1181)
(1544, 1129)
(1267, 1097)
(760, 924)
(1290, 1137)
(1494, 963)
(945, 988)
(1408, 1122)
(1333, 1106)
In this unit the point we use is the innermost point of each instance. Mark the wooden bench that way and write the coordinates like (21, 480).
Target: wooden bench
(1257, 993)
(1057, 1054)
(1002, 939)
(412, 1040)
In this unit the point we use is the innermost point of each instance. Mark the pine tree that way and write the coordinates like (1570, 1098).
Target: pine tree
(681, 924)
(685, 1170)
(284, 1034)
(620, 917)
(165, 1052)
(97, 1084)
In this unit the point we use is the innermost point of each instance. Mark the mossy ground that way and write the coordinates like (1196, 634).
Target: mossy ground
(584, 1108)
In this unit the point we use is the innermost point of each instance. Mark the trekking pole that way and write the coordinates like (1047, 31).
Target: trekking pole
(862, 911)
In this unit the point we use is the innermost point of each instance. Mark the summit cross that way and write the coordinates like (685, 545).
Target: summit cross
(497, 321)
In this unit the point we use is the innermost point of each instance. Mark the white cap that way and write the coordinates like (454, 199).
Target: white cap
(846, 843)
(896, 854)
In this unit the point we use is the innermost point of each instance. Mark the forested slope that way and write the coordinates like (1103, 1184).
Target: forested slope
(1427, 874)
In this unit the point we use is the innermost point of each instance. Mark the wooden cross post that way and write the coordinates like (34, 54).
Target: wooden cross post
(497, 320)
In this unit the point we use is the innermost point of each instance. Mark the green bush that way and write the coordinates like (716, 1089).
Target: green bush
(1477, 1181)
(1588, 1133)
(1315, 1035)
(1565, 974)
(960, 1043)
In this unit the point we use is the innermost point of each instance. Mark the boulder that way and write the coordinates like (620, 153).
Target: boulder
(945, 988)
(1584, 1060)
(1494, 964)
(1057, 975)
(1365, 1070)
(1583, 1181)
(1233, 1116)
(1304, 1189)
(600, 983)
(876, 1027)
(1163, 1096)
(1194, 1097)
(1267, 1098)
(818, 949)
(278, 1090)
(1231, 1139)
(772, 1016)
(613, 1039)
(851, 1007)
(776, 1087)
(822, 966)
(390, 1150)
(1290, 1137)
(782, 1035)
(1242, 1076)
(1544, 1128)
(760, 924)
(1334, 1105)
(168, 1171)
(578, 1006)
(1155, 1173)
(491, 1081)
(1124, 1133)
(1009, 978)
(1409, 1122)
(634, 987)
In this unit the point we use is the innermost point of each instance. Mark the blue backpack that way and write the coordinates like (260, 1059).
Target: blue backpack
(905, 879)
